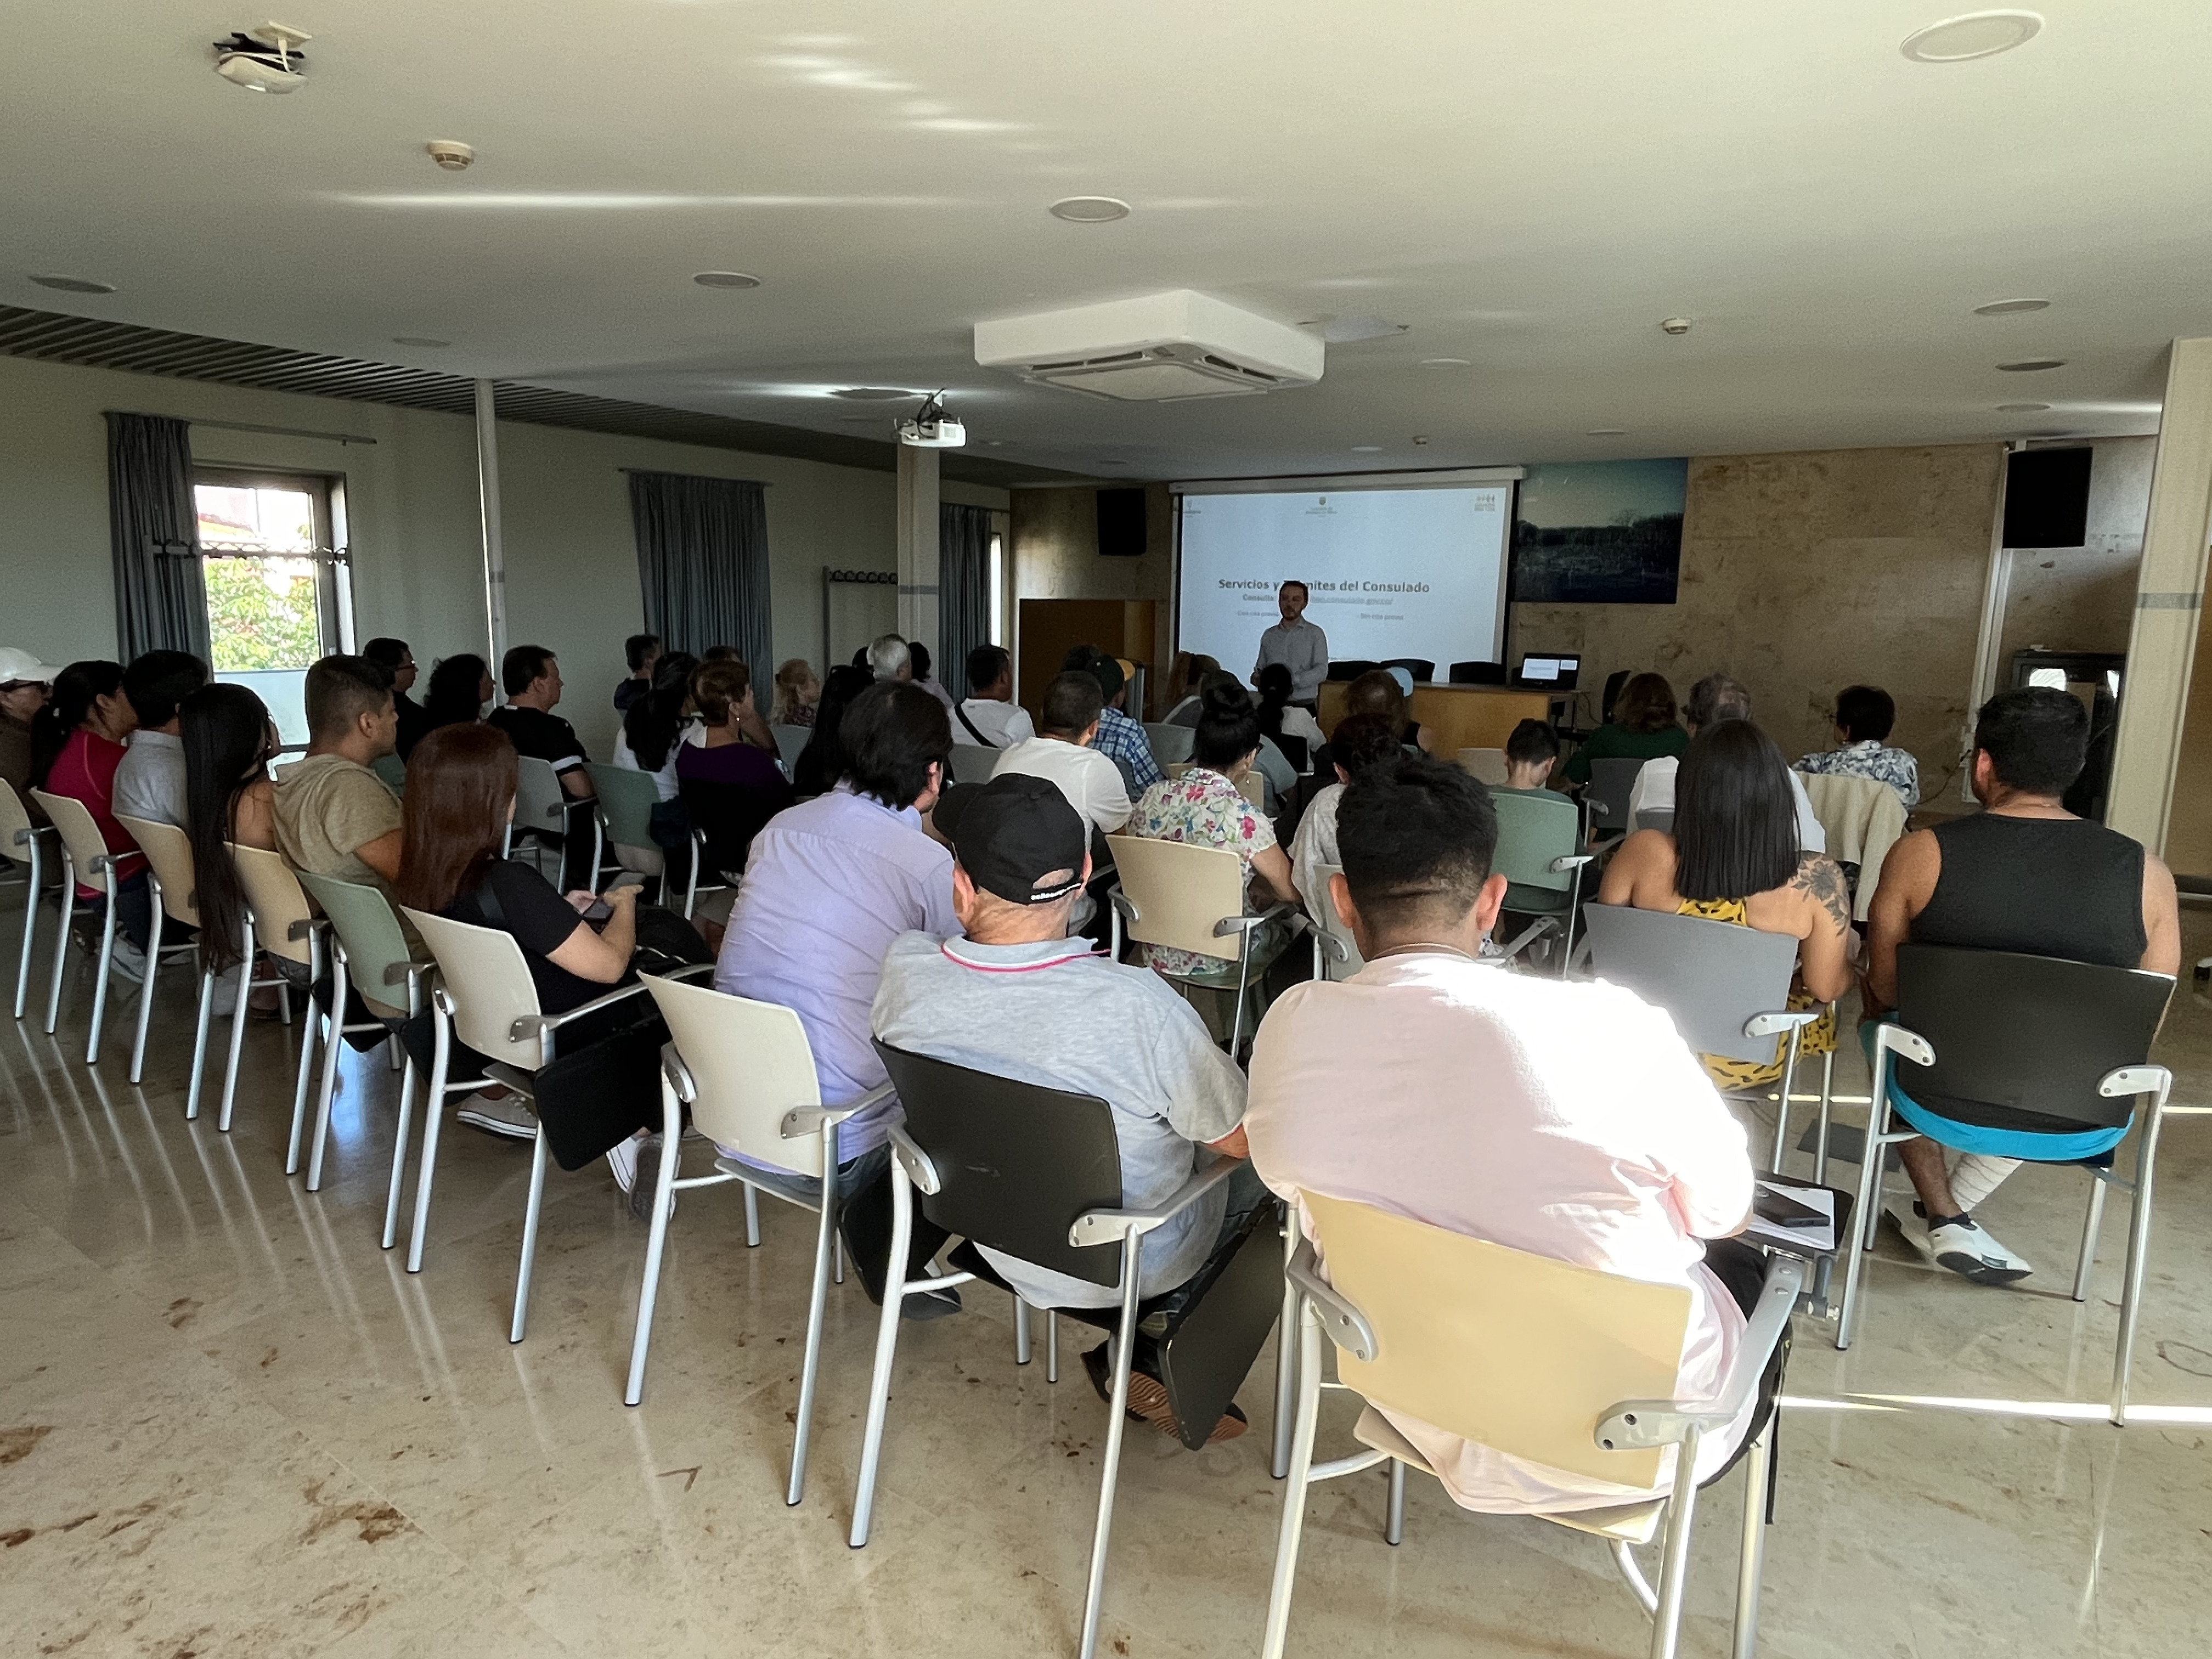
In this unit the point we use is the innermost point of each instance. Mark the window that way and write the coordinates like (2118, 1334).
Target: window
(274, 559)
(998, 580)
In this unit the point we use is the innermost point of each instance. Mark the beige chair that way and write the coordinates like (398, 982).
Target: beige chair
(175, 892)
(1862, 818)
(85, 861)
(746, 1071)
(1251, 786)
(285, 926)
(1192, 898)
(26, 841)
(1584, 1386)
(1486, 766)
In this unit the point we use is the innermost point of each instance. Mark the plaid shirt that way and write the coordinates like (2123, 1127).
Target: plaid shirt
(1122, 741)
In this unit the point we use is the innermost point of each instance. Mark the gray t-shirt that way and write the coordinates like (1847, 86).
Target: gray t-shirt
(1052, 1013)
(149, 783)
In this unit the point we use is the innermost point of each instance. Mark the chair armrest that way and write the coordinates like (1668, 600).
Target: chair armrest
(536, 1026)
(1892, 1038)
(307, 927)
(1560, 867)
(102, 862)
(914, 1161)
(398, 973)
(2136, 1080)
(29, 833)
(802, 1121)
(1121, 902)
(1228, 924)
(1331, 946)
(1111, 1226)
(1346, 1325)
(1776, 1022)
(1646, 1423)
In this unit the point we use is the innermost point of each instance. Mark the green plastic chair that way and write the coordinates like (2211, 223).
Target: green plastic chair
(627, 798)
(392, 771)
(1540, 854)
(372, 956)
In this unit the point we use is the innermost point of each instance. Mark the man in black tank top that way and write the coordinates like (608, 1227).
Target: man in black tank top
(2024, 875)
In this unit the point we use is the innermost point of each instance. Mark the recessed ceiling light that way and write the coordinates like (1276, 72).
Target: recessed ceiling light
(2022, 409)
(422, 340)
(1446, 362)
(871, 394)
(726, 279)
(1607, 432)
(2031, 365)
(2010, 307)
(995, 443)
(1090, 209)
(75, 285)
(1367, 449)
(1976, 35)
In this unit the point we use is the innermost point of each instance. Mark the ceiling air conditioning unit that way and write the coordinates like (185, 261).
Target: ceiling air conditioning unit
(1161, 347)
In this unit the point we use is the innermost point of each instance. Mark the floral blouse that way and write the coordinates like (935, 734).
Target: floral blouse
(1204, 808)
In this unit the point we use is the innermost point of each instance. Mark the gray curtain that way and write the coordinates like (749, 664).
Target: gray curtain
(702, 563)
(160, 591)
(963, 590)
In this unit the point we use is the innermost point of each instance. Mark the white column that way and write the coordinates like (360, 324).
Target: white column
(2169, 601)
(494, 558)
(918, 548)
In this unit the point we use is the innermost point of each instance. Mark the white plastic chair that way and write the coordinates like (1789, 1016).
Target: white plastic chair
(1486, 766)
(747, 1072)
(541, 804)
(175, 893)
(1190, 898)
(26, 841)
(1335, 956)
(280, 917)
(1584, 1386)
(85, 858)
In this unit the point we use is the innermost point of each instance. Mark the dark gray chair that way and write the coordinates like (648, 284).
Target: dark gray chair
(1476, 673)
(1612, 781)
(1420, 668)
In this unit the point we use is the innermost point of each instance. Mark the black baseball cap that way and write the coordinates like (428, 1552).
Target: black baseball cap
(1013, 833)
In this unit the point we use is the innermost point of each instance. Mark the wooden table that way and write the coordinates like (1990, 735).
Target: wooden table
(1455, 717)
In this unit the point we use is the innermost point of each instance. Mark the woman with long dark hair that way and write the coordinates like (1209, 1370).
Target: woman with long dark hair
(228, 740)
(823, 760)
(76, 742)
(459, 688)
(655, 728)
(1733, 856)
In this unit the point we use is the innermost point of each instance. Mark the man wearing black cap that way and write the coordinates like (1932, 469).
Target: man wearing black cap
(1015, 996)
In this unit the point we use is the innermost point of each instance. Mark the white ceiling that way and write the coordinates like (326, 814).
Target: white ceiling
(1529, 185)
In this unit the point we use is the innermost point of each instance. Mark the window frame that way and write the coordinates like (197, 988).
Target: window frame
(325, 492)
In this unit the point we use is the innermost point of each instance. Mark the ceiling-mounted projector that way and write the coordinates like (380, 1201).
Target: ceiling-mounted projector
(930, 427)
(266, 59)
(1161, 347)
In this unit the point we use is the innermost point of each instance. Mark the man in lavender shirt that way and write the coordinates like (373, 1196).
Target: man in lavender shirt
(831, 883)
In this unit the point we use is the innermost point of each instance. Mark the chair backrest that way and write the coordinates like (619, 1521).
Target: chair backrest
(273, 893)
(1321, 910)
(2021, 1041)
(751, 1063)
(1171, 744)
(1180, 891)
(1351, 668)
(540, 803)
(627, 798)
(1612, 779)
(1862, 818)
(1019, 1162)
(483, 971)
(1477, 673)
(1419, 667)
(972, 763)
(791, 742)
(1583, 1341)
(1710, 977)
(392, 771)
(1661, 818)
(368, 928)
(1487, 766)
(72, 819)
(14, 817)
(1252, 786)
(169, 850)
(1532, 831)
(1613, 683)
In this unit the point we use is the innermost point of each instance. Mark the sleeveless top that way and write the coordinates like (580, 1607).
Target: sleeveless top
(2044, 887)
(1819, 1038)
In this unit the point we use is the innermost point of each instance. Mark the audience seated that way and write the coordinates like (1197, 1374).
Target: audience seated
(829, 885)
(1642, 728)
(149, 783)
(1121, 739)
(2024, 875)
(890, 659)
(1281, 718)
(1713, 699)
(643, 652)
(1472, 1098)
(1532, 750)
(1062, 754)
(1205, 807)
(918, 656)
(1363, 743)
(24, 684)
(334, 817)
(1378, 692)
(655, 729)
(76, 746)
(823, 761)
(989, 716)
(394, 657)
(227, 738)
(797, 692)
(460, 686)
(1010, 993)
(530, 676)
(1864, 717)
(1733, 856)
(1189, 674)
(730, 787)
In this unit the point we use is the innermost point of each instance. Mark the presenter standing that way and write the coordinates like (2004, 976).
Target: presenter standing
(1298, 644)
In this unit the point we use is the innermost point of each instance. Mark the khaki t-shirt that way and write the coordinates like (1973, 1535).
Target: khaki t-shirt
(326, 807)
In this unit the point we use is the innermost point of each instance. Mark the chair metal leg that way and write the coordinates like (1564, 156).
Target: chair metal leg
(433, 1115)
(1052, 1344)
(753, 1217)
(1674, 1551)
(1124, 1346)
(1286, 1356)
(99, 978)
(1781, 1111)
(1827, 1105)
(1021, 1331)
(837, 1248)
(307, 1029)
(879, 1380)
(2085, 1266)
(1631, 1574)
(1864, 1219)
(399, 1137)
(238, 1016)
(1306, 1333)
(1752, 1561)
(663, 1193)
(817, 1305)
(2123, 1352)
(30, 929)
(200, 1035)
(62, 941)
(1394, 1519)
(333, 1040)
(146, 990)
(522, 1273)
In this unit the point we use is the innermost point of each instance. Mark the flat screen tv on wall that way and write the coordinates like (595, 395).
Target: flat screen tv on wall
(1599, 532)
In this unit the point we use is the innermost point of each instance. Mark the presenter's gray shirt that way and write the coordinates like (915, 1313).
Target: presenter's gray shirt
(1303, 648)
(1055, 1014)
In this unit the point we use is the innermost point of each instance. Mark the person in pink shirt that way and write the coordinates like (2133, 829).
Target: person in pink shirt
(1561, 1118)
(76, 742)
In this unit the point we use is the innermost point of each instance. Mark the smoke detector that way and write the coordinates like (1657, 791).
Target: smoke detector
(1676, 325)
(266, 59)
(450, 154)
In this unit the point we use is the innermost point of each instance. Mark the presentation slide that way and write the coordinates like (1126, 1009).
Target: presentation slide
(1391, 573)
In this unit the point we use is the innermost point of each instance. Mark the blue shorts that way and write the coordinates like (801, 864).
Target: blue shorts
(2023, 1144)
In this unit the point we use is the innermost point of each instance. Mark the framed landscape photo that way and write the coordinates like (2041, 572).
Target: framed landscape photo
(1600, 532)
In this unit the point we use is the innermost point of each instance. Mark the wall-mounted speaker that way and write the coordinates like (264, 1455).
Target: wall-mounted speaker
(1121, 523)
(2047, 497)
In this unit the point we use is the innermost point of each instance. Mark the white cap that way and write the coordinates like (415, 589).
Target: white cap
(16, 665)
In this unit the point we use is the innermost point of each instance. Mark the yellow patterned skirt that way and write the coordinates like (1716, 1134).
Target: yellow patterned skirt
(1819, 1038)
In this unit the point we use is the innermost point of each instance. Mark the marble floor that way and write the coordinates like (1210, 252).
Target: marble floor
(230, 1425)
